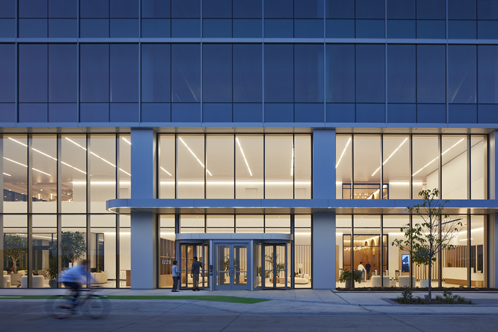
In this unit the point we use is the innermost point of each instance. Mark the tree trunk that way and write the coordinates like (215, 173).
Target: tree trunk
(14, 262)
(430, 282)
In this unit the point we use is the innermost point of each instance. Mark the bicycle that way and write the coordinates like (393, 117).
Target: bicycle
(92, 305)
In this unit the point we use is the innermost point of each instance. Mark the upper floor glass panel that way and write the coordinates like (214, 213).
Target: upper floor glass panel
(374, 166)
(235, 166)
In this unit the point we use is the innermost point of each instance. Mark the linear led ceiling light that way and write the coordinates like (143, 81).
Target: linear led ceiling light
(165, 171)
(406, 139)
(6, 174)
(433, 160)
(347, 144)
(193, 154)
(124, 139)
(292, 162)
(243, 155)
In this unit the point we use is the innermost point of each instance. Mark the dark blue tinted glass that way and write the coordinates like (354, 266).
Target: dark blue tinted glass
(340, 112)
(124, 112)
(33, 112)
(186, 73)
(124, 73)
(400, 28)
(62, 8)
(247, 28)
(431, 64)
(97, 27)
(217, 8)
(124, 8)
(370, 80)
(247, 73)
(32, 8)
(401, 9)
(487, 113)
(340, 28)
(461, 29)
(7, 73)
(279, 74)
(33, 27)
(369, 28)
(186, 9)
(7, 28)
(487, 73)
(7, 8)
(431, 9)
(62, 27)
(247, 113)
(246, 9)
(370, 9)
(156, 8)
(217, 112)
(461, 9)
(32, 73)
(462, 74)
(340, 73)
(339, 9)
(156, 112)
(370, 113)
(308, 73)
(487, 29)
(186, 112)
(62, 73)
(401, 73)
(308, 112)
(63, 112)
(308, 28)
(308, 9)
(94, 112)
(401, 113)
(278, 8)
(462, 113)
(185, 27)
(279, 112)
(431, 113)
(124, 27)
(94, 73)
(487, 9)
(156, 28)
(94, 8)
(217, 73)
(431, 29)
(156, 73)
(278, 28)
(217, 28)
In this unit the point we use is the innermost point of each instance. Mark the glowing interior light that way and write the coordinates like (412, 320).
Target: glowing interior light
(193, 154)
(165, 171)
(244, 156)
(406, 139)
(292, 162)
(6, 174)
(124, 139)
(78, 145)
(122, 170)
(347, 144)
(79, 170)
(433, 160)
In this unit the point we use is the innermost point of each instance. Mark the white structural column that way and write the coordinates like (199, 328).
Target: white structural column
(324, 243)
(143, 225)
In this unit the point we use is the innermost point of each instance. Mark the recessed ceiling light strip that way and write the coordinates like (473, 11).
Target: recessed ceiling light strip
(6, 174)
(193, 154)
(406, 139)
(124, 139)
(243, 155)
(347, 144)
(165, 171)
(433, 160)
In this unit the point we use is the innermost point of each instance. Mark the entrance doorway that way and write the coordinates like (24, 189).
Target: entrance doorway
(275, 258)
(187, 253)
(231, 266)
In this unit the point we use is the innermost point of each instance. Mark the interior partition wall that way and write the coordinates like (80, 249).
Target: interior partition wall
(53, 215)
(365, 243)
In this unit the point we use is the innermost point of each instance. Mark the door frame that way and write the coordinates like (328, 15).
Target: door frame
(205, 245)
(231, 245)
(274, 268)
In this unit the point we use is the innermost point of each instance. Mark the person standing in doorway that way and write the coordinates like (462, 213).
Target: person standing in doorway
(368, 267)
(196, 266)
(176, 275)
(362, 269)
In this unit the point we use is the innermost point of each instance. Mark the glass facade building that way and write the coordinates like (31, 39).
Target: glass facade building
(278, 141)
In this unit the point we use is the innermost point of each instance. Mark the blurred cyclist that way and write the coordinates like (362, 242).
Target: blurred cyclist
(75, 276)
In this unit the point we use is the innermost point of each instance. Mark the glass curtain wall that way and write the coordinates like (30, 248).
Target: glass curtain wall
(434, 161)
(166, 250)
(67, 218)
(302, 251)
(386, 265)
(235, 166)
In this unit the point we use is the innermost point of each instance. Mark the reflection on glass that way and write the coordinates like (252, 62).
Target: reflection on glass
(240, 265)
(367, 156)
(73, 241)
(302, 252)
(396, 166)
(425, 163)
(73, 173)
(102, 250)
(396, 267)
(124, 273)
(190, 166)
(249, 166)
(478, 252)
(44, 258)
(302, 162)
(15, 173)
(279, 166)
(124, 163)
(44, 170)
(343, 167)
(219, 166)
(454, 170)
(478, 166)
(222, 265)
(166, 250)
(166, 166)
(102, 169)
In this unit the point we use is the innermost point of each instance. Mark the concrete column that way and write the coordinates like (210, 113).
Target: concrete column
(143, 224)
(324, 247)
(324, 164)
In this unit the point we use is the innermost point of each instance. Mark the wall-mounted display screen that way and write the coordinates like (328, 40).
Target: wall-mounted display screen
(405, 263)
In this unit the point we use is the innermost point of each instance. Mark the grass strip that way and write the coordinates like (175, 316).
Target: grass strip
(229, 299)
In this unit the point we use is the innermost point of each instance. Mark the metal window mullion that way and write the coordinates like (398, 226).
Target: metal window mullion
(176, 164)
(440, 257)
(381, 256)
(411, 166)
(469, 251)
(59, 199)
(293, 252)
(117, 229)
(411, 256)
(352, 168)
(381, 182)
(234, 168)
(293, 166)
(440, 171)
(205, 169)
(88, 195)
(352, 250)
(29, 193)
(469, 167)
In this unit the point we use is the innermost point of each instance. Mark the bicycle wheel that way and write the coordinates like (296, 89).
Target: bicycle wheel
(97, 307)
(59, 306)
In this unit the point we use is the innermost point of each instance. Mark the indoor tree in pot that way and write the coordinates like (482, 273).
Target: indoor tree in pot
(52, 273)
(15, 248)
(347, 276)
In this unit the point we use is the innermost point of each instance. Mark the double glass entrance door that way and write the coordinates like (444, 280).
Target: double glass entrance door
(275, 267)
(231, 266)
(187, 254)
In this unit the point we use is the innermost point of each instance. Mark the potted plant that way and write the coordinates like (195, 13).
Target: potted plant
(52, 273)
(347, 276)
(15, 249)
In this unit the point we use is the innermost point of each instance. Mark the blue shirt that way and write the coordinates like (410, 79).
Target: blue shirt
(76, 273)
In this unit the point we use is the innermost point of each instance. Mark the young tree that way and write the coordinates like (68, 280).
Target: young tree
(15, 248)
(427, 239)
(73, 246)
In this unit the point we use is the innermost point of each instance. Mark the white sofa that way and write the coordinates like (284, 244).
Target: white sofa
(304, 279)
(36, 281)
(99, 277)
